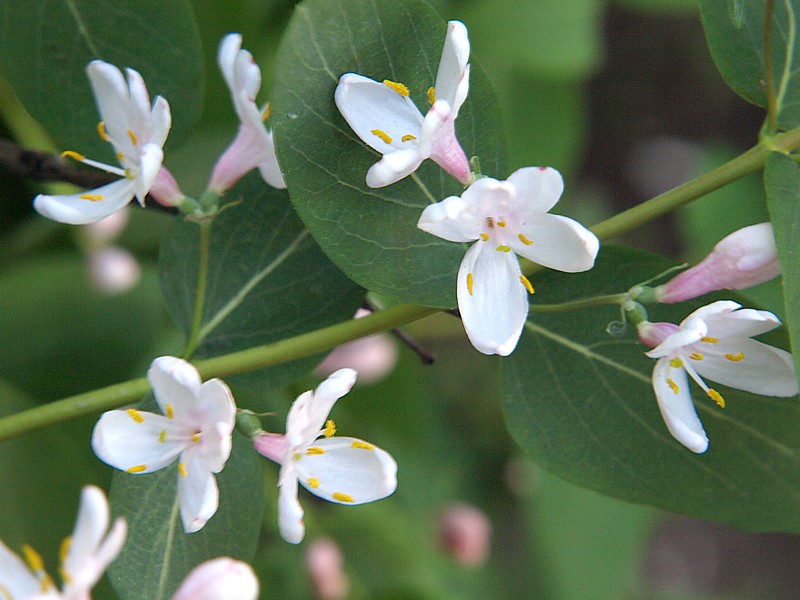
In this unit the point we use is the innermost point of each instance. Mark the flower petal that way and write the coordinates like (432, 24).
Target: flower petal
(452, 78)
(348, 471)
(86, 207)
(449, 220)
(150, 161)
(215, 405)
(198, 495)
(393, 167)
(558, 243)
(214, 447)
(16, 580)
(491, 299)
(290, 513)
(176, 386)
(438, 141)
(690, 333)
(742, 323)
(112, 96)
(538, 188)
(219, 579)
(671, 387)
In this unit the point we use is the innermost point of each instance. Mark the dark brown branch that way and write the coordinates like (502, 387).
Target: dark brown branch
(426, 356)
(42, 166)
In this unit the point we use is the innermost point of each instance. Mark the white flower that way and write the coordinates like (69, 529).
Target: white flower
(137, 132)
(253, 146)
(339, 469)
(219, 579)
(84, 556)
(507, 217)
(195, 430)
(714, 342)
(383, 116)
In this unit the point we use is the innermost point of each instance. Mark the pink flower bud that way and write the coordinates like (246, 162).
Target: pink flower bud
(743, 259)
(270, 445)
(219, 579)
(465, 533)
(113, 270)
(652, 334)
(324, 561)
(165, 190)
(105, 230)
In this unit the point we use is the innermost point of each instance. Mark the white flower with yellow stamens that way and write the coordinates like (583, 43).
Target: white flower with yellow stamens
(385, 118)
(135, 129)
(713, 342)
(339, 469)
(506, 218)
(195, 430)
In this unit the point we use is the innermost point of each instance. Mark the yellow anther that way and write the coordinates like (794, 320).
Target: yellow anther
(330, 428)
(676, 363)
(170, 411)
(313, 482)
(73, 155)
(342, 497)
(137, 469)
(385, 137)
(470, 283)
(33, 558)
(101, 131)
(362, 445)
(408, 137)
(91, 197)
(501, 223)
(716, 397)
(484, 237)
(503, 248)
(710, 340)
(297, 456)
(672, 385)
(490, 222)
(735, 357)
(266, 112)
(311, 450)
(524, 240)
(431, 95)
(162, 436)
(696, 356)
(135, 415)
(120, 156)
(133, 137)
(524, 280)
(397, 87)
(62, 557)
(182, 469)
(195, 437)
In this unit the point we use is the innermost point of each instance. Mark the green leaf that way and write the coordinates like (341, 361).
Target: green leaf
(158, 554)
(372, 234)
(782, 183)
(267, 279)
(48, 43)
(582, 404)
(735, 35)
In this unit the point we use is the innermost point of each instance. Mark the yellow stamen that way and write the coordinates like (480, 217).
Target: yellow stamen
(735, 357)
(484, 237)
(524, 280)
(73, 155)
(313, 482)
(162, 436)
(431, 95)
(716, 397)
(170, 411)
(672, 385)
(62, 556)
(137, 469)
(266, 112)
(36, 565)
(195, 437)
(397, 87)
(182, 469)
(133, 137)
(470, 283)
(91, 197)
(342, 497)
(696, 356)
(501, 223)
(120, 156)
(101, 131)
(503, 248)
(314, 450)
(676, 363)
(330, 428)
(710, 340)
(385, 137)
(135, 415)
(524, 240)
(408, 137)
(362, 445)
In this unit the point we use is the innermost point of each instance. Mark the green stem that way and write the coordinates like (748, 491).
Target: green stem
(769, 74)
(579, 304)
(200, 296)
(431, 198)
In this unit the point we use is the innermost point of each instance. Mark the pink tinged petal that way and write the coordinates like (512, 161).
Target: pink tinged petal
(86, 207)
(450, 220)
(268, 166)
(671, 386)
(149, 167)
(438, 141)
(198, 494)
(347, 471)
(226, 57)
(492, 300)
(652, 334)
(452, 78)
(132, 441)
(299, 430)
(253, 147)
(219, 579)
(748, 365)
(176, 386)
(271, 445)
(393, 167)
(16, 580)
(538, 188)
(290, 513)
(558, 243)
(689, 333)
(165, 189)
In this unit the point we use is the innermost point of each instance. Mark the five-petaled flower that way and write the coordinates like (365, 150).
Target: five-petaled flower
(339, 469)
(195, 430)
(253, 146)
(713, 342)
(507, 217)
(137, 132)
(383, 116)
(84, 556)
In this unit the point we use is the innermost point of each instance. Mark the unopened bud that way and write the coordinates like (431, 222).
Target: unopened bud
(106, 230)
(219, 579)
(270, 445)
(465, 534)
(165, 190)
(652, 334)
(325, 567)
(113, 270)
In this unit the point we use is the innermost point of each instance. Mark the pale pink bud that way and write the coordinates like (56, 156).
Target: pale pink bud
(165, 190)
(652, 334)
(465, 534)
(324, 561)
(270, 445)
(741, 260)
(105, 230)
(219, 579)
(113, 270)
